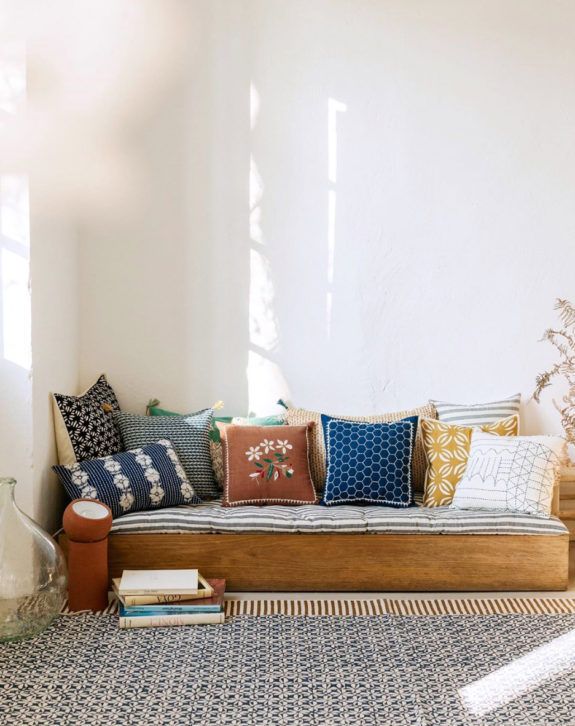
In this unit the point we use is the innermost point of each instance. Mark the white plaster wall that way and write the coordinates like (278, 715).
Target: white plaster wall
(55, 354)
(406, 225)
(15, 338)
(39, 345)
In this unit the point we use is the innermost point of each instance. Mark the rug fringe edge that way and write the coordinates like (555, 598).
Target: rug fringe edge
(384, 606)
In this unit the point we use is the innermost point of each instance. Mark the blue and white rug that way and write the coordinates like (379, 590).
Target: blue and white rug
(328, 670)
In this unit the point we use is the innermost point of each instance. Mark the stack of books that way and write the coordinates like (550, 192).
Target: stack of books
(162, 598)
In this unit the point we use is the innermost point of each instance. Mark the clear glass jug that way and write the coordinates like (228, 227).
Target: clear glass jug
(33, 575)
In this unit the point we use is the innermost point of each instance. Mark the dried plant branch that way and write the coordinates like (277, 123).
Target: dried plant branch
(564, 342)
(566, 312)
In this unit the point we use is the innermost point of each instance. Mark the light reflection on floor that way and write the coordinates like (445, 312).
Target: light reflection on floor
(520, 676)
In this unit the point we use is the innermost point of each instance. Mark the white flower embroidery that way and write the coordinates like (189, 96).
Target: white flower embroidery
(112, 466)
(172, 456)
(267, 445)
(122, 482)
(156, 494)
(144, 460)
(126, 501)
(79, 478)
(254, 453)
(152, 475)
(284, 445)
(187, 491)
(180, 472)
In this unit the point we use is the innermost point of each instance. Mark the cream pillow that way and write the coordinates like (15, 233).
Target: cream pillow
(514, 474)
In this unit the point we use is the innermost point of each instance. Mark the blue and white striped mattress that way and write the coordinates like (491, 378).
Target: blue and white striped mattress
(211, 517)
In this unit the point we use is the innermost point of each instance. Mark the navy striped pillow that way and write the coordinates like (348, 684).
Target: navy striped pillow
(150, 477)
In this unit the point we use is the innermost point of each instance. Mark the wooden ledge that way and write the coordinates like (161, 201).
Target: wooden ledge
(353, 562)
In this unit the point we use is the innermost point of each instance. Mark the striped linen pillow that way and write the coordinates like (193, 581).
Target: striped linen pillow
(477, 414)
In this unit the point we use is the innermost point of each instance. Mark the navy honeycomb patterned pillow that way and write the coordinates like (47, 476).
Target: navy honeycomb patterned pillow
(369, 462)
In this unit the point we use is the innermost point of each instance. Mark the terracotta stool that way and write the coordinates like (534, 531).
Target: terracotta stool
(87, 523)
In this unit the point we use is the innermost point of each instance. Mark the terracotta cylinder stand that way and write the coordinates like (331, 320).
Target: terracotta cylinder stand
(87, 556)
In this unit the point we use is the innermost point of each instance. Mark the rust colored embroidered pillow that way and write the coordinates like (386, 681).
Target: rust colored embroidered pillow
(267, 465)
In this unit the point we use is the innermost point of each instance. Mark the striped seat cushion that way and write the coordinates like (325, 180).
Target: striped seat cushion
(211, 517)
(477, 414)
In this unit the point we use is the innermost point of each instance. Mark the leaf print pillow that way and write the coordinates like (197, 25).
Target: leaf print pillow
(150, 477)
(266, 465)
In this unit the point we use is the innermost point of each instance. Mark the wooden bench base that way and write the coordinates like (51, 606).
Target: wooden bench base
(351, 562)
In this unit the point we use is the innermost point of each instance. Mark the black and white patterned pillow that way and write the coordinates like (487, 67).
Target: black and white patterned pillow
(150, 477)
(85, 426)
(190, 436)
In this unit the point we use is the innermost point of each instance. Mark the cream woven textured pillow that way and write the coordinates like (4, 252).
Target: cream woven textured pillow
(317, 454)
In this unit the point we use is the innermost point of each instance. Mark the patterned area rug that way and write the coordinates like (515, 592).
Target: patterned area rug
(390, 669)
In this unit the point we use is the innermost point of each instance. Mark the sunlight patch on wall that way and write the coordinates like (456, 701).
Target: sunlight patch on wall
(256, 194)
(266, 383)
(520, 676)
(263, 325)
(254, 106)
(16, 331)
(14, 209)
(265, 380)
(333, 108)
(12, 78)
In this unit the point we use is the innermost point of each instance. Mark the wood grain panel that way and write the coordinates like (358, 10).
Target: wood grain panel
(341, 562)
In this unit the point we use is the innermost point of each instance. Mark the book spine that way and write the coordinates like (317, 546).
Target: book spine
(157, 611)
(163, 599)
(159, 593)
(164, 621)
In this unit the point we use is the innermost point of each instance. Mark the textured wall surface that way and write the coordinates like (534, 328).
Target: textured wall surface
(357, 205)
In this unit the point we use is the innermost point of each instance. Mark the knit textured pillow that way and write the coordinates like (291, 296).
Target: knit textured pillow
(84, 425)
(301, 416)
(215, 440)
(190, 436)
(447, 451)
(150, 477)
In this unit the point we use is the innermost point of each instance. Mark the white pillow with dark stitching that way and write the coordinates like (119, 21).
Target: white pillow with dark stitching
(514, 474)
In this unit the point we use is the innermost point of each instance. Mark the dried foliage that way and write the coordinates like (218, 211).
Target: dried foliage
(564, 341)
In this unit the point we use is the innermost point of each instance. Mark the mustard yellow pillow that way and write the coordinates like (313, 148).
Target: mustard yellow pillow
(446, 448)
